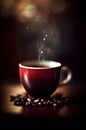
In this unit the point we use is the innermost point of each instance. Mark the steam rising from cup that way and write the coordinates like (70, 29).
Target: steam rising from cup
(45, 29)
(48, 39)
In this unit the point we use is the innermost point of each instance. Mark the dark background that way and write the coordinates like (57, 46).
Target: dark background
(71, 50)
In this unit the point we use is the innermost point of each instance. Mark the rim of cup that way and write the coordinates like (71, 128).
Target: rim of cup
(35, 64)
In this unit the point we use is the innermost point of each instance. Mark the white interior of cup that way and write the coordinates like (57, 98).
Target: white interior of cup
(35, 64)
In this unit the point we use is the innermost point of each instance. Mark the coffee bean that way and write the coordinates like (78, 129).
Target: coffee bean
(66, 100)
(26, 100)
(18, 103)
(40, 103)
(36, 100)
(55, 104)
(27, 103)
(12, 98)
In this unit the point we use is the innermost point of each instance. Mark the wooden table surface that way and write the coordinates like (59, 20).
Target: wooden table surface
(71, 113)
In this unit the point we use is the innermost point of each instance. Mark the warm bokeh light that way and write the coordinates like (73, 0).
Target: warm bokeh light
(27, 13)
(28, 9)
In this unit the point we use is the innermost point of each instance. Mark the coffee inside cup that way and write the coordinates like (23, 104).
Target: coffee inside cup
(40, 64)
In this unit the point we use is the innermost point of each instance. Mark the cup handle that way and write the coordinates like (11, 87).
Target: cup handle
(65, 69)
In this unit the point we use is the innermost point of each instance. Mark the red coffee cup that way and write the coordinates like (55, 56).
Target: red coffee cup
(41, 78)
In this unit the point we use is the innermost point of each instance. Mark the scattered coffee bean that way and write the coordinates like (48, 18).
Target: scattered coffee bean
(26, 100)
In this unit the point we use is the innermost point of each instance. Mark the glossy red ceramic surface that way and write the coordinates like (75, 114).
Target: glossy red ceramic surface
(39, 82)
